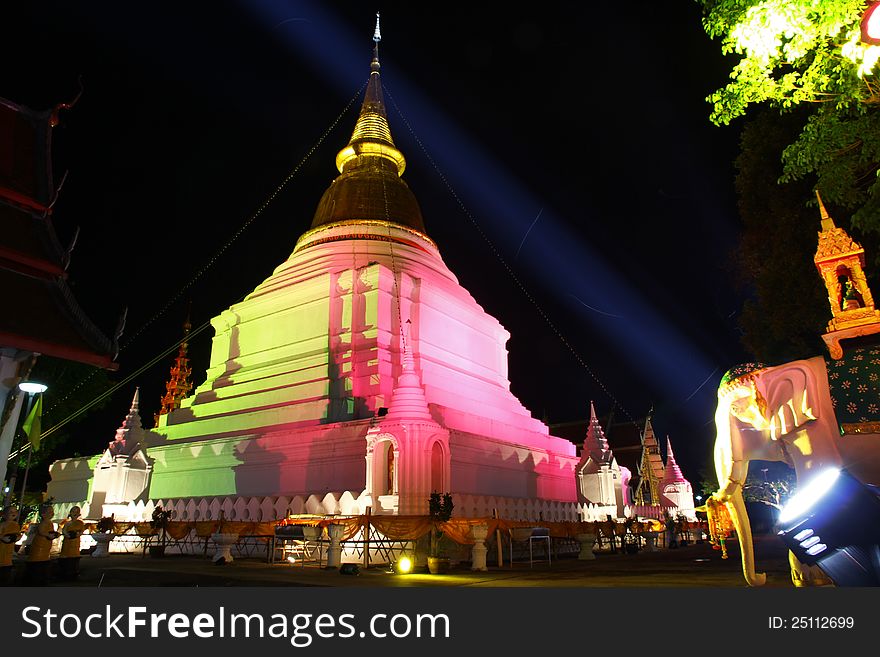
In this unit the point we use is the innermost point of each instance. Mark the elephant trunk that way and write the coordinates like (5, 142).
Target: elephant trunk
(737, 508)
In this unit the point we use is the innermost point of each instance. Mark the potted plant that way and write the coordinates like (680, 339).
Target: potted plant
(440, 510)
(159, 523)
(102, 535)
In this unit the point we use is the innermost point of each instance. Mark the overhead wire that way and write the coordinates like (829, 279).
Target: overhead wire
(109, 392)
(201, 272)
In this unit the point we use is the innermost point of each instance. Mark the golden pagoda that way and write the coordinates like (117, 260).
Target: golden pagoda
(840, 261)
(651, 469)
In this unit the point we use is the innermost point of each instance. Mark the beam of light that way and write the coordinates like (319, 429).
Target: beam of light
(653, 346)
(527, 233)
(601, 312)
(711, 374)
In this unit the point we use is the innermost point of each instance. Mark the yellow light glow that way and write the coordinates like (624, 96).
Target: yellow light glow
(748, 410)
(806, 411)
(404, 565)
(372, 148)
(864, 55)
(772, 27)
(803, 445)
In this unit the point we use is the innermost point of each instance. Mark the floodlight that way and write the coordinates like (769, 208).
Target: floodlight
(33, 387)
(834, 523)
(403, 566)
(805, 499)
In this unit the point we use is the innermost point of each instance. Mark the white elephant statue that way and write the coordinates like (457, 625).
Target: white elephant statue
(786, 413)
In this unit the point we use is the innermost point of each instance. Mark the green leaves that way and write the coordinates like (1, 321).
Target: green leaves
(807, 53)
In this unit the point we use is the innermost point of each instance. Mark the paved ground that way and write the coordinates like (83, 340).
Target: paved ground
(695, 565)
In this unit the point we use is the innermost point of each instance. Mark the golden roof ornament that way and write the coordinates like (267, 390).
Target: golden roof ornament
(372, 135)
(369, 191)
(841, 261)
(377, 37)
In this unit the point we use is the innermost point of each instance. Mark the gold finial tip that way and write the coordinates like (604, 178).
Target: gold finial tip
(377, 37)
(827, 221)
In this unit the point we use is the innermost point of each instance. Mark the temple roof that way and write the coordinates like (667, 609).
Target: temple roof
(25, 163)
(39, 313)
(370, 187)
(835, 243)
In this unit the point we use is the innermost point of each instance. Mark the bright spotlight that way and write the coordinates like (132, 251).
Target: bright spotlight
(291, 559)
(403, 566)
(33, 387)
(811, 493)
(834, 523)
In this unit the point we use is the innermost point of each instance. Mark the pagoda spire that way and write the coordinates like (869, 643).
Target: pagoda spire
(369, 191)
(408, 399)
(827, 221)
(377, 37)
(595, 442)
(179, 384)
(129, 434)
(371, 138)
(673, 472)
(651, 471)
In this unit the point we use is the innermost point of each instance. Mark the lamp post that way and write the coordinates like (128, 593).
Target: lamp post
(32, 389)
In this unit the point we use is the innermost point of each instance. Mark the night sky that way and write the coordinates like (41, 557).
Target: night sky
(576, 135)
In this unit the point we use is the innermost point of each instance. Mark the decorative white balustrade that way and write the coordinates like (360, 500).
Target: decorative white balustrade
(264, 509)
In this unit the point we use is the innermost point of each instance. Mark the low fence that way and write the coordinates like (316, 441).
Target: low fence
(269, 508)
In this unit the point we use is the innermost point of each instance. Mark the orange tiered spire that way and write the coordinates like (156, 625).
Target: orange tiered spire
(179, 384)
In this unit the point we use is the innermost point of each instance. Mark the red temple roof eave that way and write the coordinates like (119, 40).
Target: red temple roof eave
(23, 264)
(55, 350)
(23, 201)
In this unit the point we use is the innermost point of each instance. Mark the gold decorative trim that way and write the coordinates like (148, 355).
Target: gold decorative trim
(860, 427)
(361, 236)
(363, 222)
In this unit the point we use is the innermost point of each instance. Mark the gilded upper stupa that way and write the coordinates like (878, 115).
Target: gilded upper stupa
(369, 187)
